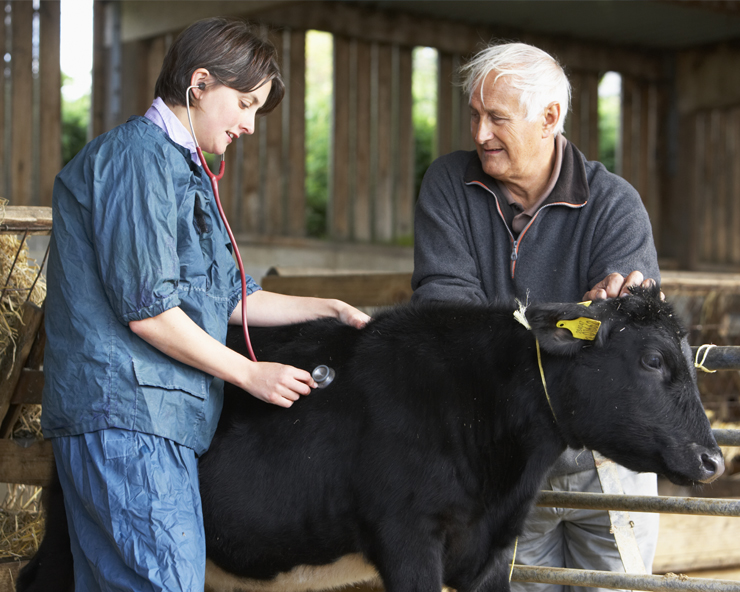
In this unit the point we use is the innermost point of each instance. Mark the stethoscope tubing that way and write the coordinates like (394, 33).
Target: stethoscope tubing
(214, 185)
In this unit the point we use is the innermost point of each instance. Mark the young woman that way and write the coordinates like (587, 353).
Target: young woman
(141, 287)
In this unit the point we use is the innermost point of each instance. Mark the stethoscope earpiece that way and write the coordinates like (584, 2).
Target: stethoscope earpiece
(202, 86)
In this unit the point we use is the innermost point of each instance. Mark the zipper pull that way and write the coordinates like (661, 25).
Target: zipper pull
(513, 251)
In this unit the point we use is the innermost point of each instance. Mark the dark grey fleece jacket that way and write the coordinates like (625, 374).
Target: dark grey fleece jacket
(592, 224)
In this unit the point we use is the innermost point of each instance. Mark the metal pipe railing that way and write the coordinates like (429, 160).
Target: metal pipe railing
(640, 503)
(606, 579)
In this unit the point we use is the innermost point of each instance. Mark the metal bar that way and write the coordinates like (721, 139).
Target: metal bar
(639, 503)
(719, 357)
(605, 579)
(12, 267)
(727, 437)
(41, 269)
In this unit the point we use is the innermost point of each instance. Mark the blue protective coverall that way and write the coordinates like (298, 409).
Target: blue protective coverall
(136, 232)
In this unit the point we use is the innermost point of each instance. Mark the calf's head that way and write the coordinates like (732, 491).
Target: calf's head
(627, 386)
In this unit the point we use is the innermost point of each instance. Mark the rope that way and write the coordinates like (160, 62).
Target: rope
(511, 571)
(700, 365)
(519, 315)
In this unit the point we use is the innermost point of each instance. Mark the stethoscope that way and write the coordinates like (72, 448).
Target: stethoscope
(322, 375)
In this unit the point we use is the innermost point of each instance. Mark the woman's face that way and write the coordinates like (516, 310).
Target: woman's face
(222, 114)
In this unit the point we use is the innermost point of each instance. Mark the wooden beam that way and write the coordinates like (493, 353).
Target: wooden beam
(30, 466)
(35, 220)
(365, 289)
(410, 30)
(50, 82)
(21, 159)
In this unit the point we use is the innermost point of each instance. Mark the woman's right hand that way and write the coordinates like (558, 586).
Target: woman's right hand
(277, 384)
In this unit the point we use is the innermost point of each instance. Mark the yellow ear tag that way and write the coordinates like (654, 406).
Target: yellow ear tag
(581, 328)
(586, 303)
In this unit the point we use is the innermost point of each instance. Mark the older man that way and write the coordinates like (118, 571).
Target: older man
(527, 216)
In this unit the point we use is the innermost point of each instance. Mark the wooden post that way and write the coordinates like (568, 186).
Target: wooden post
(50, 115)
(22, 104)
(274, 158)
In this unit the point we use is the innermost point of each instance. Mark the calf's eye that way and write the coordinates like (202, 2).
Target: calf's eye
(654, 361)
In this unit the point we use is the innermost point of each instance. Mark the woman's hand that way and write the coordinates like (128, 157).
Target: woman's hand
(277, 384)
(266, 309)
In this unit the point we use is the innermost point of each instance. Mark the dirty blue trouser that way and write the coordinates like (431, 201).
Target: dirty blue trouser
(580, 539)
(134, 512)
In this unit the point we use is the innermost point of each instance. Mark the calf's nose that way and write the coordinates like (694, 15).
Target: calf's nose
(712, 463)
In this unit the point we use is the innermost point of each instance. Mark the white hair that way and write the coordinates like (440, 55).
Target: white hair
(537, 76)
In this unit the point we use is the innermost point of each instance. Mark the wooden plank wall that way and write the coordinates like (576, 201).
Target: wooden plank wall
(371, 184)
(30, 159)
(712, 166)
(371, 196)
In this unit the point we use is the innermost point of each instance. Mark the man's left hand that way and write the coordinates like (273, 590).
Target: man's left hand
(615, 284)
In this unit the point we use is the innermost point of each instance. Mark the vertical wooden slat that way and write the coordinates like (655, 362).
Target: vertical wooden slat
(592, 145)
(383, 210)
(654, 115)
(274, 158)
(297, 135)
(719, 182)
(362, 216)
(625, 149)
(250, 207)
(573, 123)
(22, 106)
(339, 204)
(155, 56)
(4, 130)
(733, 160)
(466, 138)
(50, 81)
(99, 79)
(705, 195)
(444, 104)
(405, 175)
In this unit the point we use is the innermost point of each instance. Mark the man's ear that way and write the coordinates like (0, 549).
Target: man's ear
(550, 119)
(563, 328)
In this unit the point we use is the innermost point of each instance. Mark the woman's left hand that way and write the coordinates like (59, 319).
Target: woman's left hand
(349, 315)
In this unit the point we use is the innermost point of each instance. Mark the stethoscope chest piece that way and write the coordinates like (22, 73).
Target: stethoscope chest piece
(323, 375)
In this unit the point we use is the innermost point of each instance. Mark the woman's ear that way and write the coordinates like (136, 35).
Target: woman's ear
(199, 79)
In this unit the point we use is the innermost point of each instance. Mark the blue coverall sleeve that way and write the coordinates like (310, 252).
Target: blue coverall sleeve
(135, 210)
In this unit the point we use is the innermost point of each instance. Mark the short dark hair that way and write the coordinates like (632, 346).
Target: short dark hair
(231, 52)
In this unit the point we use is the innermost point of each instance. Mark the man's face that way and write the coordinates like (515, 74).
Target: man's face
(509, 146)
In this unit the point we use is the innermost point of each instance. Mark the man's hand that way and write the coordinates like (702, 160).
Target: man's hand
(615, 285)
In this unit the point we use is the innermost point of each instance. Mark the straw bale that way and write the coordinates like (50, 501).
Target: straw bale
(14, 286)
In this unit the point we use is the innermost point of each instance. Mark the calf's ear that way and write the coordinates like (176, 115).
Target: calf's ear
(563, 329)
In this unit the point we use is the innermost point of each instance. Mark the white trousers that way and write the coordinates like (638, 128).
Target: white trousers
(580, 539)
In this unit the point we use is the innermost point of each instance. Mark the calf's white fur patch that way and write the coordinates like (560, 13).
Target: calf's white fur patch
(350, 569)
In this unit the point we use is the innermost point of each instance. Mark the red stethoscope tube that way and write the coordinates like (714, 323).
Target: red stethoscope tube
(214, 183)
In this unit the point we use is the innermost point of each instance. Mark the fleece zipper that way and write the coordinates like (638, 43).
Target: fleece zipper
(517, 242)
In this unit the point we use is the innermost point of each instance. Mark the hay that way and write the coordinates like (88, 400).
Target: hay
(15, 286)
